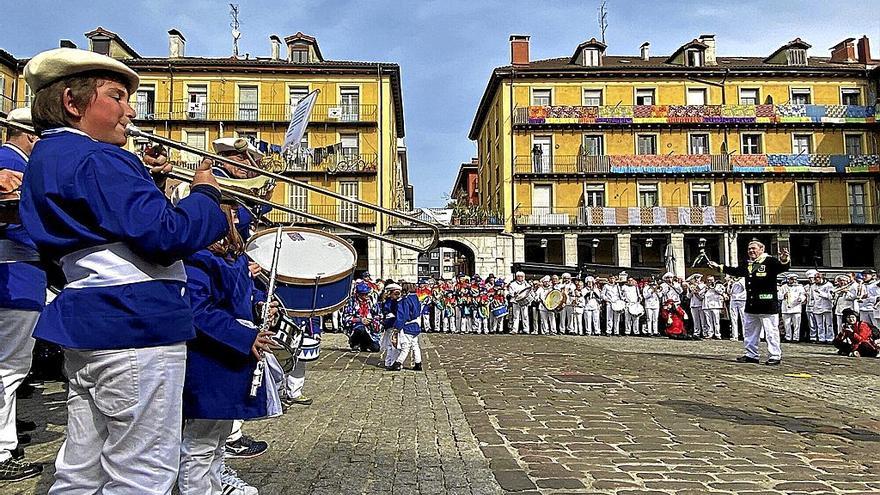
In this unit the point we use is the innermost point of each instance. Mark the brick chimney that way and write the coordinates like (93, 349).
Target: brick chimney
(276, 47)
(643, 51)
(864, 51)
(845, 51)
(709, 41)
(519, 49)
(176, 44)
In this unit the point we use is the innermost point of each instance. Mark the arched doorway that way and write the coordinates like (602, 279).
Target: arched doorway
(454, 257)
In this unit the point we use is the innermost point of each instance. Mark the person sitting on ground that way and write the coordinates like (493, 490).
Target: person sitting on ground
(362, 321)
(855, 337)
(674, 316)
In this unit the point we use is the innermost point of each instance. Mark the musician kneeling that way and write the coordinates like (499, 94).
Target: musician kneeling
(855, 337)
(220, 360)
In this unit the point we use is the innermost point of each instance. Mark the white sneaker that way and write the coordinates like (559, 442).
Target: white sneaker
(233, 485)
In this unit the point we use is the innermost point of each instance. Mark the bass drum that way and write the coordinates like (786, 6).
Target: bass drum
(554, 300)
(635, 309)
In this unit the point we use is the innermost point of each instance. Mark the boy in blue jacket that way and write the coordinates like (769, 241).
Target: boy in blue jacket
(406, 323)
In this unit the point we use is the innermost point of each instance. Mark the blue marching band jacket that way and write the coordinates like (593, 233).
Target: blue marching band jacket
(22, 281)
(407, 313)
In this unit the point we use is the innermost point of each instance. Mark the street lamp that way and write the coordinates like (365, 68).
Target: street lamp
(543, 243)
(595, 243)
(649, 242)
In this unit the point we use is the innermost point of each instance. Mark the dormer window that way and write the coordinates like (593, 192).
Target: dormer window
(591, 57)
(101, 45)
(695, 57)
(796, 56)
(299, 55)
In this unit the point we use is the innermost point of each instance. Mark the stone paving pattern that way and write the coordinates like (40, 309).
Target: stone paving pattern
(558, 415)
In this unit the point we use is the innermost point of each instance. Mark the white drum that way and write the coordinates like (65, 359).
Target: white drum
(635, 309)
(309, 350)
(618, 305)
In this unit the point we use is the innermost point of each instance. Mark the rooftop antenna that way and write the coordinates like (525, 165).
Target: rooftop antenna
(236, 34)
(603, 19)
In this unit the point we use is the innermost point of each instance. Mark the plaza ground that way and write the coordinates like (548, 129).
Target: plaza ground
(562, 414)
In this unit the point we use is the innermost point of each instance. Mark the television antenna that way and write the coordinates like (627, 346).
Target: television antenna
(236, 34)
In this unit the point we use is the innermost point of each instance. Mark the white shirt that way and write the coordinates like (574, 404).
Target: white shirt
(819, 297)
(516, 288)
(671, 291)
(592, 297)
(630, 294)
(696, 295)
(651, 296)
(792, 297)
(738, 290)
(611, 293)
(713, 297)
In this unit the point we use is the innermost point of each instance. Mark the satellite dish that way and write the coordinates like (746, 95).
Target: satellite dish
(236, 33)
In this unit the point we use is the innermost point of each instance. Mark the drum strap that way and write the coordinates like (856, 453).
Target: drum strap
(109, 265)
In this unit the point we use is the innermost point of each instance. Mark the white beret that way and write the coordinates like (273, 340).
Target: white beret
(811, 273)
(228, 144)
(589, 278)
(668, 274)
(21, 115)
(520, 273)
(50, 66)
(393, 287)
(545, 278)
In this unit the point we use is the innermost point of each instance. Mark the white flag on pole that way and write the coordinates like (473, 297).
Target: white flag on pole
(299, 119)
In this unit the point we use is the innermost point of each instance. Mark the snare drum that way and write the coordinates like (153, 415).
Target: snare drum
(618, 305)
(315, 268)
(636, 309)
(309, 350)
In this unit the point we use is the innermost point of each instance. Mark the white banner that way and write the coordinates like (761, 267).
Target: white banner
(299, 119)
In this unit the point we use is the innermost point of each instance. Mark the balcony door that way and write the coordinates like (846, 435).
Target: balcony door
(754, 203)
(807, 202)
(542, 154)
(542, 199)
(348, 212)
(144, 102)
(350, 99)
(699, 144)
(857, 203)
(247, 103)
(197, 99)
(298, 199)
(696, 96)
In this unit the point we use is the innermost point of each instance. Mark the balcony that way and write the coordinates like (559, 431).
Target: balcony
(539, 165)
(7, 104)
(300, 162)
(346, 213)
(694, 216)
(693, 114)
(249, 112)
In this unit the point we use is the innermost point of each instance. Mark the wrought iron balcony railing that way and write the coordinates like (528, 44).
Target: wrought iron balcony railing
(694, 215)
(693, 114)
(251, 112)
(350, 214)
(301, 162)
(7, 104)
(538, 164)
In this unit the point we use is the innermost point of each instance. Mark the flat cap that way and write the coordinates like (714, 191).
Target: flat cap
(21, 115)
(228, 144)
(52, 65)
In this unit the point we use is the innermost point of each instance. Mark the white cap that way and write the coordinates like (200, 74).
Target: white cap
(545, 278)
(589, 278)
(811, 273)
(668, 274)
(520, 273)
(21, 115)
(566, 275)
(622, 275)
(393, 286)
(52, 65)
(695, 276)
(228, 144)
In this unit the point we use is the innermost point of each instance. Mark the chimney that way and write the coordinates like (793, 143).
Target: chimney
(864, 51)
(276, 47)
(845, 51)
(67, 44)
(519, 49)
(709, 41)
(644, 50)
(176, 44)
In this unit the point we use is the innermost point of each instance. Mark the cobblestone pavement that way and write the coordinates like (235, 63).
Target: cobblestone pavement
(558, 415)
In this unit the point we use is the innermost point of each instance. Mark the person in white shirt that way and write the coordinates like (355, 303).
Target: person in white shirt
(714, 296)
(737, 294)
(792, 296)
(611, 296)
(819, 296)
(519, 292)
(651, 296)
(695, 288)
(566, 312)
(578, 304)
(868, 306)
(632, 316)
(548, 317)
(592, 307)
(671, 289)
(845, 296)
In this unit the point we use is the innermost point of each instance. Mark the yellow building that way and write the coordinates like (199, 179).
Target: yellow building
(632, 160)
(354, 138)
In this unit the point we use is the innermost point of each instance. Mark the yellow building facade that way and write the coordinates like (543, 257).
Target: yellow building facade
(632, 160)
(353, 143)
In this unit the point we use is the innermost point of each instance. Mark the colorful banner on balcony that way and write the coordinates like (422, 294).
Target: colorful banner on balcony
(802, 163)
(701, 114)
(660, 164)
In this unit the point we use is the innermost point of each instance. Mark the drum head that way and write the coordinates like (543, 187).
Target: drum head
(553, 299)
(306, 254)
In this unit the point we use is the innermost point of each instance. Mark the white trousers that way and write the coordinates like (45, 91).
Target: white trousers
(124, 418)
(566, 315)
(201, 456)
(753, 325)
(235, 434)
(577, 322)
(612, 321)
(632, 323)
(462, 321)
(712, 323)
(821, 327)
(409, 343)
(520, 315)
(698, 320)
(651, 317)
(591, 322)
(295, 381)
(548, 321)
(792, 324)
(737, 312)
(16, 349)
(868, 316)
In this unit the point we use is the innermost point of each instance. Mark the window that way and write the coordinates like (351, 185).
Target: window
(796, 56)
(592, 97)
(646, 144)
(195, 139)
(247, 103)
(435, 255)
(850, 96)
(540, 97)
(853, 144)
(644, 97)
(145, 102)
(101, 45)
(298, 199)
(801, 144)
(542, 199)
(694, 57)
(748, 96)
(594, 145)
(751, 144)
(350, 99)
(348, 212)
(806, 202)
(591, 57)
(800, 96)
(198, 102)
(295, 94)
(594, 195)
(698, 144)
(696, 96)
(857, 200)
(299, 55)
(754, 203)
(701, 195)
(28, 95)
(648, 195)
(542, 154)
(350, 146)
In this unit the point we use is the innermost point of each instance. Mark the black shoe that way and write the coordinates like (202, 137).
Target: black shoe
(16, 470)
(394, 367)
(302, 400)
(746, 359)
(245, 448)
(25, 425)
(773, 362)
(417, 367)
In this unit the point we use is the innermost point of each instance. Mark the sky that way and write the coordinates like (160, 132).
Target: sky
(446, 49)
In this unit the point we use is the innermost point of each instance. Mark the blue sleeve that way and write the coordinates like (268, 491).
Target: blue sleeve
(211, 320)
(127, 205)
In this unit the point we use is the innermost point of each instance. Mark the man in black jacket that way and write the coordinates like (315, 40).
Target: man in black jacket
(762, 303)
